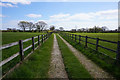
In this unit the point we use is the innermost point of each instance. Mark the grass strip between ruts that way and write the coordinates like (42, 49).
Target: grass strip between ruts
(72, 65)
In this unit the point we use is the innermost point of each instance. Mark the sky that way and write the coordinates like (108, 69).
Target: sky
(70, 15)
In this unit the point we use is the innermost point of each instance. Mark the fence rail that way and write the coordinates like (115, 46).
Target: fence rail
(21, 50)
(74, 37)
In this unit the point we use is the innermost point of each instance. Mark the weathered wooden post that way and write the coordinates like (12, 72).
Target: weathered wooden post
(21, 50)
(72, 36)
(75, 37)
(86, 41)
(97, 40)
(79, 38)
(38, 39)
(42, 38)
(118, 51)
(33, 46)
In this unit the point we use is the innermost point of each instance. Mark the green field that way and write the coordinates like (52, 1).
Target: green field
(105, 36)
(37, 64)
(9, 37)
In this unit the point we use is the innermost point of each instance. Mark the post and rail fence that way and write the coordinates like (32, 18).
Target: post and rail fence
(21, 50)
(97, 45)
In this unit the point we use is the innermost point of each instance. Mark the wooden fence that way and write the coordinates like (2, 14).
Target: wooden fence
(21, 50)
(78, 37)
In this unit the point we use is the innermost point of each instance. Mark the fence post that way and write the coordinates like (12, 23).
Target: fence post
(86, 41)
(21, 50)
(33, 46)
(97, 40)
(75, 37)
(79, 38)
(72, 36)
(118, 51)
(38, 39)
(42, 38)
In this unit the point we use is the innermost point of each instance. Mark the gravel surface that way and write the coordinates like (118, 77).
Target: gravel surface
(93, 69)
(57, 68)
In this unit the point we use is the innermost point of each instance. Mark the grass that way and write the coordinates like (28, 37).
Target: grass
(9, 37)
(72, 64)
(105, 36)
(37, 64)
(107, 63)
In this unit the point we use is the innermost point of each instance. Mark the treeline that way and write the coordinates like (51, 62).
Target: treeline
(26, 26)
(95, 29)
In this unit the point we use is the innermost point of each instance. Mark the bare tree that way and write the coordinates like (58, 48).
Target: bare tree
(40, 25)
(23, 25)
(30, 26)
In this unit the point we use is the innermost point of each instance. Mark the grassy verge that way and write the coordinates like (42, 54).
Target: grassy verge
(107, 63)
(72, 64)
(37, 65)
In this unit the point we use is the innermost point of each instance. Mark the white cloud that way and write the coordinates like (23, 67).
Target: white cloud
(7, 5)
(18, 1)
(108, 14)
(60, 16)
(34, 15)
(13, 3)
(101, 18)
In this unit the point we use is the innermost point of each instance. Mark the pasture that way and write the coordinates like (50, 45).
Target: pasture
(9, 37)
(37, 64)
(105, 36)
(69, 59)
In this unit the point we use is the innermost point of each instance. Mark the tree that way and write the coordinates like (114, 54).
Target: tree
(104, 28)
(82, 29)
(97, 29)
(73, 30)
(91, 30)
(30, 26)
(61, 28)
(40, 25)
(52, 27)
(23, 25)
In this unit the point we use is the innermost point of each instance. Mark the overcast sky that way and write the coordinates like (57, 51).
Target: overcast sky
(69, 15)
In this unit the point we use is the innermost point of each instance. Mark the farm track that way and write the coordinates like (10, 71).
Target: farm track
(57, 68)
(93, 69)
